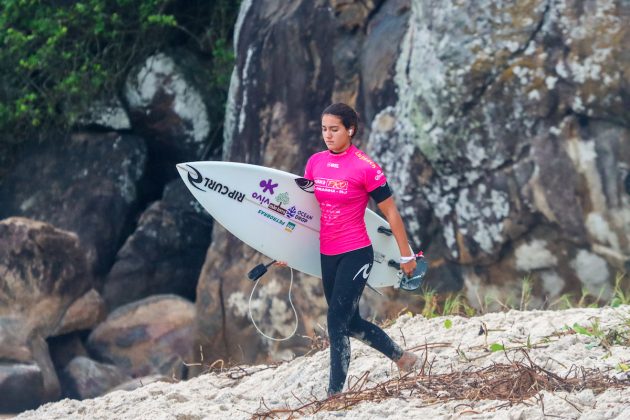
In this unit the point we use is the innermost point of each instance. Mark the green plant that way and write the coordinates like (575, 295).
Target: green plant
(621, 293)
(430, 309)
(614, 336)
(526, 293)
(57, 57)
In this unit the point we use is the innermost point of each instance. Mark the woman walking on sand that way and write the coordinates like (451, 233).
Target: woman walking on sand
(345, 248)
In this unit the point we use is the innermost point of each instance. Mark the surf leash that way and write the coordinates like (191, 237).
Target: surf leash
(255, 274)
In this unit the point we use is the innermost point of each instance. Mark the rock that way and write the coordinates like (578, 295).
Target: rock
(64, 348)
(267, 119)
(25, 367)
(150, 336)
(14, 346)
(84, 314)
(165, 253)
(501, 121)
(21, 387)
(224, 330)
(84, 378)
(44, 270)
(84, 184)
(108, 115)
(499, 126)
(385, 28)
(167, 108)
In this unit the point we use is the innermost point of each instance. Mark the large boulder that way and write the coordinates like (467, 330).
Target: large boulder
(149, 336)
(165, 253)
(167, 106)
(502, 128)
(224, 329)
(84, 313)
(85, 184)
(273, 119)
(498, 125)
(85, 378)
(43, 270)
(21, 386)
(508, 126)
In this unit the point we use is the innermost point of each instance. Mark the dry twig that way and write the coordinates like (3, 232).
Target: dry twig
(514, 383)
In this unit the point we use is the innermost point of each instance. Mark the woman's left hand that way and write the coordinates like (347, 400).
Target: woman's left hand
(408, 268)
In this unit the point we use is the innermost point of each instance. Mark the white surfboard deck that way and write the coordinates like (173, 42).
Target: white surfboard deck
(269, 211)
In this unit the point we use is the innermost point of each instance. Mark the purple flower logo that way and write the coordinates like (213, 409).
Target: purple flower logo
(268, 186)
(291, 212)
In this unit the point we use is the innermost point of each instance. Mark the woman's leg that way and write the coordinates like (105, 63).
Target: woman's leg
(366, 331)
(344, 278)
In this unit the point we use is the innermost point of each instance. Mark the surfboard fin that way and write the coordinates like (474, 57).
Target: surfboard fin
(374, 290)
(384, 231)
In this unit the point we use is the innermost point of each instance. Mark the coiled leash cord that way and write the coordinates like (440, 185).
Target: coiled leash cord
(255, 274)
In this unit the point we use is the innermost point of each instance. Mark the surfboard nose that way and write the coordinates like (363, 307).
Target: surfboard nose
(183, 168)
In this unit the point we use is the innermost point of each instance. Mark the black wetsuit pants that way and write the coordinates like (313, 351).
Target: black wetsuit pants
(344, 277)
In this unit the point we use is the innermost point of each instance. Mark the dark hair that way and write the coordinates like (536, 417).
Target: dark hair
(348, 116)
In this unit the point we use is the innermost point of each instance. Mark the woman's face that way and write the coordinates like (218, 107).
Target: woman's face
(336, 136)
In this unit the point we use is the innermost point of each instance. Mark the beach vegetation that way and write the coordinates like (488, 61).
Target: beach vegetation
(56, 58)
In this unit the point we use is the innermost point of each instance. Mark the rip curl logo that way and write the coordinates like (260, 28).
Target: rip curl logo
(213, 185)
(364, 271)
(197, 180)
(268, 186)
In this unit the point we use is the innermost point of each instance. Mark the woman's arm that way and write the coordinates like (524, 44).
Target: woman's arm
(388, 208)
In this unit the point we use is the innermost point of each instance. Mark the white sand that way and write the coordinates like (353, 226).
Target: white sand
(214, 396)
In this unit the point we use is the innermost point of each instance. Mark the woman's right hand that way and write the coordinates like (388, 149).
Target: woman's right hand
(408, 268)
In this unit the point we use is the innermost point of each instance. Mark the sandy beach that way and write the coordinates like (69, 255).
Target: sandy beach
(574, 343)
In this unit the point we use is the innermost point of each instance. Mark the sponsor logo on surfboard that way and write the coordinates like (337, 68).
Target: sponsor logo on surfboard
(302, 216)
(281, 199)
(277, 209)
(268, 186)
(272, 218)
(305, 185)
(261, 198)
(199, 180)
(290, 226)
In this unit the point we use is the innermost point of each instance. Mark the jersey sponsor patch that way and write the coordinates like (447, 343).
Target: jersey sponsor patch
(335, 184)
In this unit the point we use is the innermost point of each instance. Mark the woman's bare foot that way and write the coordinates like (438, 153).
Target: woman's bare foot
(407, 361)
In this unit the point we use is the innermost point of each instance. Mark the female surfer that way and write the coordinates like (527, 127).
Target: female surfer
(345, 178)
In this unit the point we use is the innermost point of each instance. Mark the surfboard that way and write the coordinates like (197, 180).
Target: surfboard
(276, 213)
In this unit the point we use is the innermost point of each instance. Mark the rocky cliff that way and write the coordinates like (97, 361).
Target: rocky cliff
(502, 126)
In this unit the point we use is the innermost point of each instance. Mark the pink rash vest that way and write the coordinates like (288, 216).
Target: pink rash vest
(342, 185)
